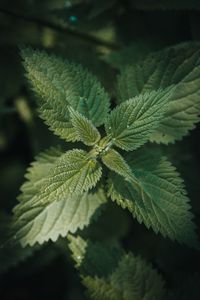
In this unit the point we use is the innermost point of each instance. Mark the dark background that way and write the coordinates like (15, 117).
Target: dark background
(86, 32)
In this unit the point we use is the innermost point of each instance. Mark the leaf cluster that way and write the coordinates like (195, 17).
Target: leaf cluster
(158, 101)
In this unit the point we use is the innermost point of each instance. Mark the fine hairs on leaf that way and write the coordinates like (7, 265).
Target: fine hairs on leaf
(158, 100)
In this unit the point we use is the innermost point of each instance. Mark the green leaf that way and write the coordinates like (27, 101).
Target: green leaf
(100, 288)
(132, 279)
(148, 284)
(178, 65)
(38, 171)
(58, 84)
(75, 172)
(115, 162)
(157, 199)
(131, 123)
(84, 128)
(94, 259)
(110, 274)
(49, 221)
(38, 223)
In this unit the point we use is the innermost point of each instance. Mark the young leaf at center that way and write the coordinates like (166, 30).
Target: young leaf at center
(115, 162)
(85, 130)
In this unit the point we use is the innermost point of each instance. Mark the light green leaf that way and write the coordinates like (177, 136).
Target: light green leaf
(58, 84)
(132, 279)
(115, 162)
(78, 248)
(178, 65)
(75, 172)
(131, 123)
(38, 171)
(157, 199)
(85, 130)
(38, 223)
(49, 221)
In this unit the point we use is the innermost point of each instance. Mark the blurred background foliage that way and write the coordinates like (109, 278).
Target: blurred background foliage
(103, 35)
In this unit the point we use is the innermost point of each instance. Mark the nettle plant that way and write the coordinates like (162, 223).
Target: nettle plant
(157, 101)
